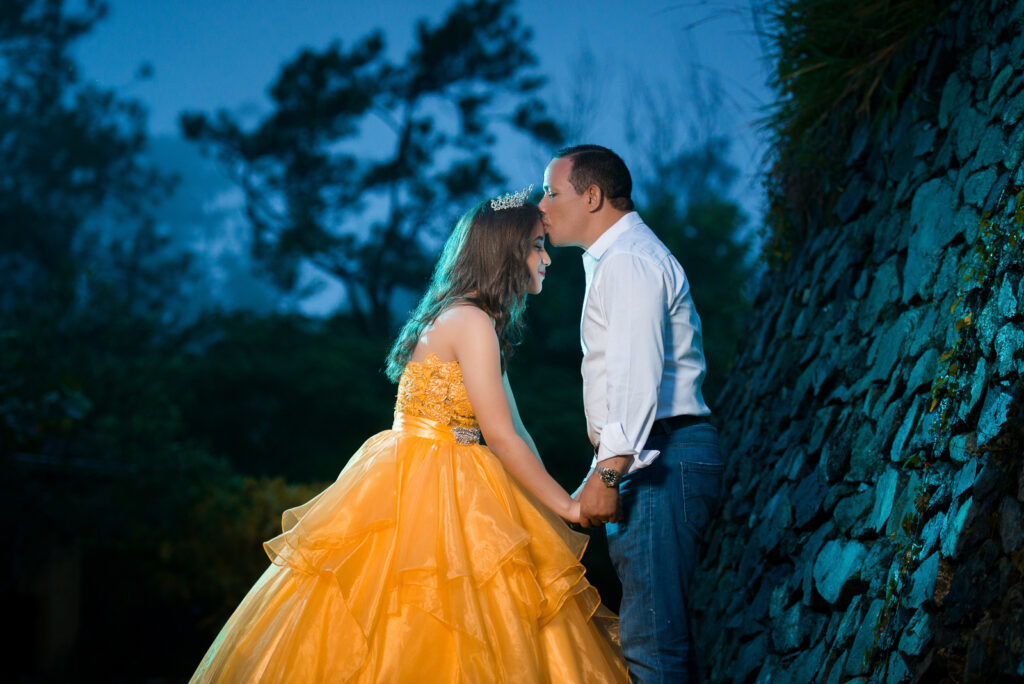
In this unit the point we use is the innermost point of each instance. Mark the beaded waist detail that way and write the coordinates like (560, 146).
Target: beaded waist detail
(466, 435)
(432, 429)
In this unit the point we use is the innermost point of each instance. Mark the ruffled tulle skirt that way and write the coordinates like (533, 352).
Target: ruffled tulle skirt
(424, 562)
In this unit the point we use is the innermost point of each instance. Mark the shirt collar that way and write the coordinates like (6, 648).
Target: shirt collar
(609, 236)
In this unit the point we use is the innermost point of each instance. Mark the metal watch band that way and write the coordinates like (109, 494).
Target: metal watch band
(608, 476)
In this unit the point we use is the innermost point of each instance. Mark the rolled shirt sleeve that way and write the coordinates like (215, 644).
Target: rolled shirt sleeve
(628, 300)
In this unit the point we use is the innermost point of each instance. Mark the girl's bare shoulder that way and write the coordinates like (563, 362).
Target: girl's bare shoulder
(464, 323)
(463, 315)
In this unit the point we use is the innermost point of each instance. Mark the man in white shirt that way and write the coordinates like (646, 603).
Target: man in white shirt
(656, 478)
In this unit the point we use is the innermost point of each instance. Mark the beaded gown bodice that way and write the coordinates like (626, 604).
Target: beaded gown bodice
(433, 389)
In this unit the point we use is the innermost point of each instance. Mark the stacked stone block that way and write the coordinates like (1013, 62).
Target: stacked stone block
(872, 528)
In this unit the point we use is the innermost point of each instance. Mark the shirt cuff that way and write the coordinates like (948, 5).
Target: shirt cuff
(643, 459)
(614, 443)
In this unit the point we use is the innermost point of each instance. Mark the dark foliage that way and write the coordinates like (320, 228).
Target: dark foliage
(286, 396)
(72, 154)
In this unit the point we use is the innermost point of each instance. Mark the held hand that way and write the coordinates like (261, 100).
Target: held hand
(599, 503)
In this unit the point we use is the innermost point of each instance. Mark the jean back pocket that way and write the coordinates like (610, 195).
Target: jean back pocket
(702, 492)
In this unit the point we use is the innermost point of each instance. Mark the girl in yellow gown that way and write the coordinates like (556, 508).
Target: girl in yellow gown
(433, 558)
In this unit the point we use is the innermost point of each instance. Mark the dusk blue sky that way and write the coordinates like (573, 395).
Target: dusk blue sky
(223, 54)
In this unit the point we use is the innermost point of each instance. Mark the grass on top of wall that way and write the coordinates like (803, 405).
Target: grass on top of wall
(837, 63)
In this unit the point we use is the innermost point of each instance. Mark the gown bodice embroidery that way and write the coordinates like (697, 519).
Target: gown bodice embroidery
(433, 389)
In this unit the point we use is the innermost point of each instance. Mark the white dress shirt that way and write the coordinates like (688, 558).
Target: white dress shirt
(643, 357)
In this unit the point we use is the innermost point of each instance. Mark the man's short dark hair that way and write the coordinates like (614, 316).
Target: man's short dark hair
(596, 165)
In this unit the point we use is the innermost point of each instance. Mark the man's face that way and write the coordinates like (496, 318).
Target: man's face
(564, 210)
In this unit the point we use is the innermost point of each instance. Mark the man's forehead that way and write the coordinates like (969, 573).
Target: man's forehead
(555, 171)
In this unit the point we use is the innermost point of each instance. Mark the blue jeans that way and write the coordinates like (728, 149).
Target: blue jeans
(665, 507)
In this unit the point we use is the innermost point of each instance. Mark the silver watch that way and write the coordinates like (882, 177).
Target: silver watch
(608, 476)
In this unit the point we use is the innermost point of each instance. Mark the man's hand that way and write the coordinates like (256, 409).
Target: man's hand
(599, 503)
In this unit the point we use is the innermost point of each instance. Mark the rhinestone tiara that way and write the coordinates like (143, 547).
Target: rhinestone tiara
(511, 199)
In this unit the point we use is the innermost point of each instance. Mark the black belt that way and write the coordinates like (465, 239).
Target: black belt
(673, 423)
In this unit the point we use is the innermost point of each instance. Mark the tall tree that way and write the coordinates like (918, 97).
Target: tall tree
(688, 206)
(373, 222)
(686, 185)
(70, 152)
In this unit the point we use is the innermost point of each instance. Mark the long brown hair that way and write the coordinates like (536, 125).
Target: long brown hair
(483, 262)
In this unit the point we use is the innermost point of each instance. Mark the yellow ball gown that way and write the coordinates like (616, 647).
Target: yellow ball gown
(425, 561)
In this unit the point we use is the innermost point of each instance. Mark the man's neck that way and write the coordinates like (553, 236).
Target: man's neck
(600, 226)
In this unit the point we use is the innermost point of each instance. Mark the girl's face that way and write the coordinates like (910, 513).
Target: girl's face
(538, 261)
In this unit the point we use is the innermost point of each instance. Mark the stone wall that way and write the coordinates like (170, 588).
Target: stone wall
(872, 527)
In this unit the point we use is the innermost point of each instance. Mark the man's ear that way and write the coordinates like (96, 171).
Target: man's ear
(594, 198)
